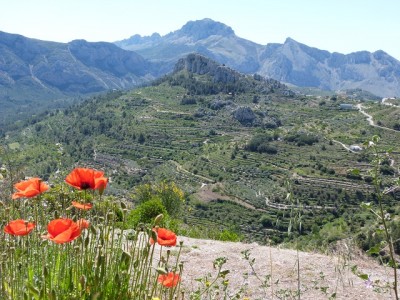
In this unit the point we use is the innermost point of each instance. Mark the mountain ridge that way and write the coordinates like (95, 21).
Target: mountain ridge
(291, 62)
(34, 73)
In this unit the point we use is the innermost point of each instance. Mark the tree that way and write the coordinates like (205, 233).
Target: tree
(141, 138)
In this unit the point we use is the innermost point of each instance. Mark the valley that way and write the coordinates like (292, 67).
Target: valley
(147, 156)
(236, 144)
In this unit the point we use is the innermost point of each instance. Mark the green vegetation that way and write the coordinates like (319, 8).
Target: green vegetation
(260, 143)
(183, 129)
(54, 250)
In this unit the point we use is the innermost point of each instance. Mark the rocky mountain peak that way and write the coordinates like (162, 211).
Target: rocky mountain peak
(137, 39)
(289, 40)
(204, 28)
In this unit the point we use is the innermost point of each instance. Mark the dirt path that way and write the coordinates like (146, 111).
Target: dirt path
(179, 168)
(169, 111)
(370, 119)
(344, 146)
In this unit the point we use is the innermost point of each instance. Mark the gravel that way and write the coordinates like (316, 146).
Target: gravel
(320, 275)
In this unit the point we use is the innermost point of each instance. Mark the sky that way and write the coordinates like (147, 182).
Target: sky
(343, 26)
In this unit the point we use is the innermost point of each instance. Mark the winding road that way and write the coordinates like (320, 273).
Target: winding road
(344, 146)
(371, 120)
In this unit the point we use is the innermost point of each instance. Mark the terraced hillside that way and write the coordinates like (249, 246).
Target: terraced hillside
(230, 141)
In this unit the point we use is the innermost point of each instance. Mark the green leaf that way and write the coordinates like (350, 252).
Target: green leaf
(125, 258)
(376, 139)
(164, 271)
(354, 269)
(33, 291)
(366, 205)
(224, 273)
(153, 235)
(355, 172)
(374, 250)
(363, 276)
(392, 264)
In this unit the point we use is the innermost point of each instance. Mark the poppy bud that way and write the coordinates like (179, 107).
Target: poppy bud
(162, 271)
(158, 219)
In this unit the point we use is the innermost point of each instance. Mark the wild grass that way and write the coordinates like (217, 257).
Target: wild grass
(51, 249)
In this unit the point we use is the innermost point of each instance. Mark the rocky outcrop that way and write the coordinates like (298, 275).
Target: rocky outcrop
(201, 65)
(245, 115)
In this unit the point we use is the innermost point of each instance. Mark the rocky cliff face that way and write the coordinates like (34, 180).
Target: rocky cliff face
(201, 65)
(225, 76)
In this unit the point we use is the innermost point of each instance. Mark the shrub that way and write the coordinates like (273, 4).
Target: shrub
(256, 141)
(228, 236)
(145, 213)
(188, 101)
(302, 139)
(266, 221)
(171, 196)
(386, 170)
(267, 148)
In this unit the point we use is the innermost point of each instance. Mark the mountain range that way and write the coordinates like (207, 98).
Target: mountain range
(290, 62)
(36, 74)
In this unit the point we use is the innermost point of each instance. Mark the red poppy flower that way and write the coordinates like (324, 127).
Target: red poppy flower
(83, 206)
(83, 179)
(169, 280)
(19, 227)
(62, 231)
(165, 237)
(83, 223)
(29, 188)
(100, 182)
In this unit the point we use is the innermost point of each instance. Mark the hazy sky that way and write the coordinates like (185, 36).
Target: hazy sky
(335, 25)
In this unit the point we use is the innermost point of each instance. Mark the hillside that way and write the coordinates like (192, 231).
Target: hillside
(230, 141)
(37, 75)
(291, 62)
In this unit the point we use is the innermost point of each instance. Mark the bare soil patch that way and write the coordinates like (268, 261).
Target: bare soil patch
(320, 275)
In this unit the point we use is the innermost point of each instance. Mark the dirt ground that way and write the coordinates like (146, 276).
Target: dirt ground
(320, 275)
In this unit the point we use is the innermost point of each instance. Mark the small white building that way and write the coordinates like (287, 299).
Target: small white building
(355, 148)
